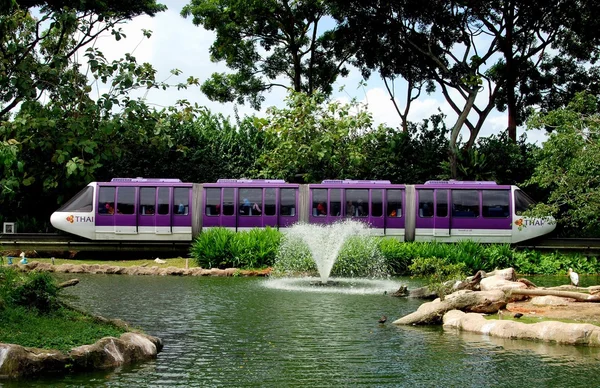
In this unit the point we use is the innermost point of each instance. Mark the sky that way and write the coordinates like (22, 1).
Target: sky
(176, 43)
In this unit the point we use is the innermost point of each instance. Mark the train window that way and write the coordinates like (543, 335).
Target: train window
(106, 200)
(147, 200)
(181, 201)
(425, 203)
(213, 202)
(126, 200)
(270, 202)
(495, 203)
(335, 202)
(81, 202)
(228, 201)
(319, 202)
(357, 201)
(163, 200)
(288, 202)
(523, 202)
(394, 203)
(376, 203)
(465, 203)
(441, 203)
(250, 202)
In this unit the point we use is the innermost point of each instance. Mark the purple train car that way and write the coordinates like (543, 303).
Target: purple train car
(129, 209)
(170, 210)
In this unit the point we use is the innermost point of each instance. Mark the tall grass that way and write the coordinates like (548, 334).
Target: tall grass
(224, 248)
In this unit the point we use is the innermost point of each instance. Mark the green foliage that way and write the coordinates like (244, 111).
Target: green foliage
(211, 248)
(438, 271)
(569, 165)
(33, 290)
(223, 248)
(314, 139)
(360, 257)
(293, 258)
(264, 41)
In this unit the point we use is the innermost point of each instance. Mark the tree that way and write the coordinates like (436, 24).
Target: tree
(314, 139)
(500, 47)
(264, 41)
(569, 165)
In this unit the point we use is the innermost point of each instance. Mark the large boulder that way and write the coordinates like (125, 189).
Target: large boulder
(548, 331)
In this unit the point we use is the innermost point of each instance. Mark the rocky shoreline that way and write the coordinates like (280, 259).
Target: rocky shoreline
(138, 270)
(109, 352)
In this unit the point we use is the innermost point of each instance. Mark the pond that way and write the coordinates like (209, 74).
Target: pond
(250, 332)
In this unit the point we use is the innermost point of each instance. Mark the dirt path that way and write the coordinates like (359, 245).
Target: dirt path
(576, 311)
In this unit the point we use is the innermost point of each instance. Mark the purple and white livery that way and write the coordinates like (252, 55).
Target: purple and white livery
(139, 209)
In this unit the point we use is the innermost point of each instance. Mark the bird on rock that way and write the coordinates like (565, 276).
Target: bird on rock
(382, 319)
(574, 276)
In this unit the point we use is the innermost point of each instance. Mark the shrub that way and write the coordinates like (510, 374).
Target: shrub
(360, 257)
(438, 271)
(32, 290)
(222, 248)
(212, 248)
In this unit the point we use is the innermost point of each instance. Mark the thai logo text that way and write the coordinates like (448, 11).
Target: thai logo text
(73, 219)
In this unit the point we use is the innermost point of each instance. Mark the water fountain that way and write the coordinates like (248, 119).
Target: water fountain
(307, 243)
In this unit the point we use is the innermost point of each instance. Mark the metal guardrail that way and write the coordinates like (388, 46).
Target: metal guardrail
(57, 242)
(61, 242)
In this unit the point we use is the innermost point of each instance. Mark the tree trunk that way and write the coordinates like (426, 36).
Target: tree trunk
(581, 297)
(510, 72)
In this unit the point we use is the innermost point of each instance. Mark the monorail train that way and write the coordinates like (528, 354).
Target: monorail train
(140, 209)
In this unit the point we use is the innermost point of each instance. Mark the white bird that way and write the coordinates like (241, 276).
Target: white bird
(23, 258)
(574, 277)
(159, 261)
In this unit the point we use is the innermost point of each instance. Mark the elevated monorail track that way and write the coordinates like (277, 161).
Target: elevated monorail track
(43, 242)
(48, 242)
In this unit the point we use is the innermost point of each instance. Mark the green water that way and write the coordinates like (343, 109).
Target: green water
(234, 332)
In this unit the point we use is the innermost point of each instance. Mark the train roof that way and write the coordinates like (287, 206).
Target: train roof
(454, 184)
(348, 184)
(145, 182)
(251, 183)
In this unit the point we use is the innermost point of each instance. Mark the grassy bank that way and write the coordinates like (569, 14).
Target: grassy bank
(32, 315)
(61, 329)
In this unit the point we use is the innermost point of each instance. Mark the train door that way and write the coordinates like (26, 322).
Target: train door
(147, 210)
(376, 220)
(288, 207)
(125, 214)
(228, 217)
(335, 205)
(182, 214)
(163, 211)
(212, 207)
(318, 206)
(441, 219)
(269, 217)
(105, 221)
(465, 215)
(394, 220)
(424, 222)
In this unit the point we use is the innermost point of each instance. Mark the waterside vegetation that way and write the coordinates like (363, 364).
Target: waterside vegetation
(33, 315)
(222, 248)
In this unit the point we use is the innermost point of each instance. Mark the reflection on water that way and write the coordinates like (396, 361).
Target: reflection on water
(238, 332)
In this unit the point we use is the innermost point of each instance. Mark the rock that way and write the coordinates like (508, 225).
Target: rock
(548, 331)
(476, 301)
